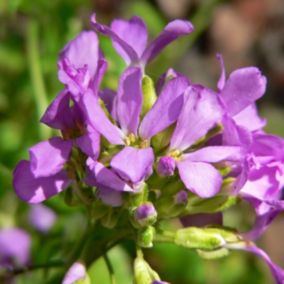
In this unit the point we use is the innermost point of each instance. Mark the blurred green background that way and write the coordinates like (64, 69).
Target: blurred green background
(246, 32)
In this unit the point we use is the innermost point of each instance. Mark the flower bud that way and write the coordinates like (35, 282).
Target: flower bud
(181, 197)
(166, 166)
(149, 94)
(145, 214)
(197, 238)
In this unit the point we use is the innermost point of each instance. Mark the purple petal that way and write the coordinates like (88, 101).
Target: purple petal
(200, 112)
(129, 52)
(200, 178)
(42, 217)
(133, 164)
(250, 119)
(78, 61)
(166, 109)
(109, 196)
(171, 32)
(75, 273)
(100, 175)
(60, 115)
(167, 76)
(99, 120)
(49, 157)
(222, 79)
(243, 88)
(133, 32)
(202, 220)
(234, 134)
(108, 96)
(35, 190)
(101, 69)
(14, 247)
(89, 143)
(215, 154)
(129, 100)
(263, 183)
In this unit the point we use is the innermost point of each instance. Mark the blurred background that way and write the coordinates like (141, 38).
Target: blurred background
(246, 32)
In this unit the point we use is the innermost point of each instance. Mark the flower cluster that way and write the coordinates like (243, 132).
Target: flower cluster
(153, 151)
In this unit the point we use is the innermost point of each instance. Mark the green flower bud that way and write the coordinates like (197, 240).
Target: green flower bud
(149, 94)
(197, 238)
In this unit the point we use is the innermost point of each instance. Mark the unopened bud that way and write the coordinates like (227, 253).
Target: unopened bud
(166, 166)
(145, 214)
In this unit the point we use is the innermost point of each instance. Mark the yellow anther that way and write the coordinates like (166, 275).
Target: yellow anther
(176, 154)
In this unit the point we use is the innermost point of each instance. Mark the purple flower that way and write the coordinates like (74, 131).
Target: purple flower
(42, 217)
(159, 282)
(45, 174)
(132, 48)
(133, 163)
(75, 273)
(200, 113)
(14, 247)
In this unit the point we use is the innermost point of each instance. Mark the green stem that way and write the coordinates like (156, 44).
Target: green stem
(110, 268)
(33, 58)
(164, 237)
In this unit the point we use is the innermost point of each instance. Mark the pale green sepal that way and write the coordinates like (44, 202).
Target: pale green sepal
(215, 254)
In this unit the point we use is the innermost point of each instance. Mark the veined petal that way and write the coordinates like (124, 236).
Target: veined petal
(249, 118)
(215, 154)
(129, 100)
(133, 32)
(130, 53)
(99, 120)
(171, 32)
(200, 178)
(243, 88)
(133, 164)
(201, 111)
(166, 109)
(89, 143)
(36, 190)
(100, 175)
(78, 61)
(48, 157)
